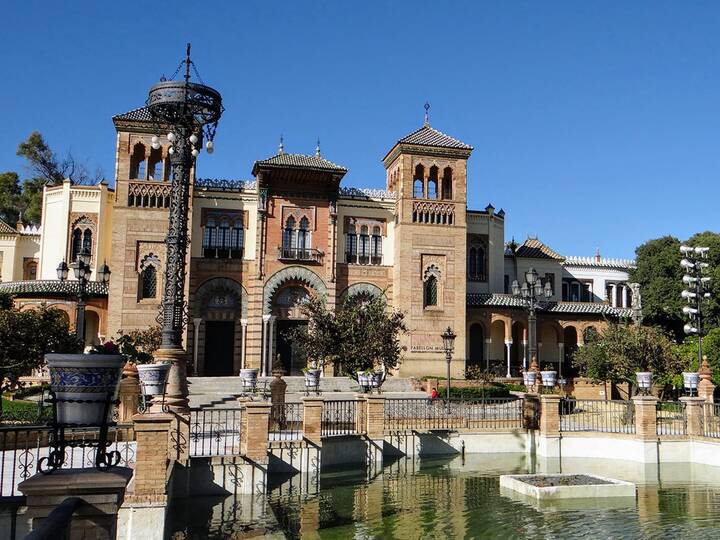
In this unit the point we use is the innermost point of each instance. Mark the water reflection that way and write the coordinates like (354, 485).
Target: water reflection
(460, 498)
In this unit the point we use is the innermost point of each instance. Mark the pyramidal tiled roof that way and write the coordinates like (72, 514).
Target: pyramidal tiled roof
(142, 114)
(427, 136)
(532, 248)
(301, 161)
(7, 229)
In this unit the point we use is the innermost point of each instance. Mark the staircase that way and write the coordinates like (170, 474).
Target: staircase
(208, 392)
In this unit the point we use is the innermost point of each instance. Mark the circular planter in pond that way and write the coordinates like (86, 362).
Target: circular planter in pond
(82, 383)
(153, 378)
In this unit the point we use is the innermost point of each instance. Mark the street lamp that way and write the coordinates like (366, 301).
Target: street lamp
(190, 113)
(81, 269)
(531, 292)
(448, 337)
(697, 291)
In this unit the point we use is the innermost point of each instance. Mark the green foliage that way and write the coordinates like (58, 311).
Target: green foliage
(688, 351)
(25, 338)
(494, 390)
(622, 350)
(363, 334)
(139, 345)
(6, 300)
(10, 194)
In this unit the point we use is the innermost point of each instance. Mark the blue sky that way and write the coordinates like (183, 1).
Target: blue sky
(595, 125)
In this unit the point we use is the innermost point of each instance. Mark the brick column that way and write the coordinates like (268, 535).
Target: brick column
(128, 394)
(531, 411)
(254, 430)
(312, 418)
(375, 417)
(151, 457)
(694, 408)
(550, 415)
(645, 417)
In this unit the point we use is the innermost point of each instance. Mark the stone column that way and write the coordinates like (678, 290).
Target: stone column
(508, 345)
(254, 430)
(265, 342)
(375, 417)
(488, 343)
(645, 417)
(196, 343)
(624, 296)
(706, 389)
(613, 295)
(531, 411)
(561, 357)
(694, 408)
(550, 415)
(525, 351)
(243, 325)
(312, 419)
(151, 458)
(128, 394)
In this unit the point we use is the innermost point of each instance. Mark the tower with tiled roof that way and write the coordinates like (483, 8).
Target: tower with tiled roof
(427, 171)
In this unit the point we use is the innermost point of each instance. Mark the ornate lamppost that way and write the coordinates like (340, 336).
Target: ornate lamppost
(448, 337)
(81, 269)
(697, 291)
(190, 112)
(531, 293)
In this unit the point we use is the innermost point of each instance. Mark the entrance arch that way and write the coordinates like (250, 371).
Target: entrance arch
(476, 354)
(570, 338)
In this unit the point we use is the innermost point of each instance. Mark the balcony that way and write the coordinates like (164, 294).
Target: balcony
(304, 255)
(477, 277)
(222, 253)
(355, 258)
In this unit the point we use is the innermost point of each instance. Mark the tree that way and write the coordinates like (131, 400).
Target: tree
(362, 334)
(44, 164)
(623, 350)
(25, 338)
(10, 194)
(688, 351)
(139, 345)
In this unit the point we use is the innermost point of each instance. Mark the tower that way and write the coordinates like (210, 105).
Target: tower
(427, 171)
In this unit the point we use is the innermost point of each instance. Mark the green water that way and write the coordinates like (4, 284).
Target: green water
(460, 498)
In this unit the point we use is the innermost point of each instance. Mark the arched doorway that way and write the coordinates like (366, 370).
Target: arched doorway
(286, 307)
(570, 338)
(476, 354)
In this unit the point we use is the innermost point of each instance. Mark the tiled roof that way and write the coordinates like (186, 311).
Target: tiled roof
(601, 262)
(52, 287)
(223, 184)
(300, 161)
(532, 248)
(508, 300)
(427, 136)
(7, 229)
(142, 114)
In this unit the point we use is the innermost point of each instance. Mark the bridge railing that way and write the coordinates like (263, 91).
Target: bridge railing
(214, 432)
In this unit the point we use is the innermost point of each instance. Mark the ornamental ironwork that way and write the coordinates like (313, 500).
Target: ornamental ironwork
(366, 193)
(223, 184)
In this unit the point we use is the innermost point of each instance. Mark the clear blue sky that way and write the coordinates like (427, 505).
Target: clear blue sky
(595, 124)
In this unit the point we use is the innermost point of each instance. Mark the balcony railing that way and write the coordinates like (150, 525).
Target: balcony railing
(356, 258)
(306, 255)
(222, 253)
(477, 276)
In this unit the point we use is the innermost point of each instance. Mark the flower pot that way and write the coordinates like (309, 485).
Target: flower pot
(376, 379)
(86, 377)
(530, 378)
(312, 377)
(363, 379)
(549, 378)
(249, 377)
(153, 377)
(690, 380)
(644, 380)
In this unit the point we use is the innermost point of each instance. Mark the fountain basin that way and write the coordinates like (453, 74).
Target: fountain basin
(551, 487)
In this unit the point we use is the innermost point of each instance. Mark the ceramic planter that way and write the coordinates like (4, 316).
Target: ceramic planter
(84, 377)
(363, 379)
(249, 377)
(153, 377)
(376, 379)
(644, 380)
(690, 380)
(530, 378)
(549, 378)
(312, 377)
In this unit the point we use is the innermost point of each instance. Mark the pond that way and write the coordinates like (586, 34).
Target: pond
(460, 498)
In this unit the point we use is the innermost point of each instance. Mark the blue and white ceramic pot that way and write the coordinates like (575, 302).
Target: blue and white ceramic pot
(312, 377)
(87, 378)
(363, 379)
(376, 379)
(153, 377)
(248, 377)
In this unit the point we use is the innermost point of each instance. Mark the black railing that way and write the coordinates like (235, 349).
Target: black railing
(670, 418)
(424, 414)
(597, 415)
(22, 446)
(222, 253)
(711, 420)
(355, 258)
(309, 255)
(285, 422)
(340, 417)
(215, 432)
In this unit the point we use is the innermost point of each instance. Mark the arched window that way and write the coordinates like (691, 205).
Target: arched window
(155, 165)
(364, 248)
(472, 263)
(137, 162)
(76, 244)
(433, 183)
(430, 291)
(148, 280)
(481, 264)
(351, 245)
(87, 241)
(447, 183)
(223, 243)
(209, 238)
(304, 235)
(237, 240)
(289, 239)
(418, 182)
(376, 245)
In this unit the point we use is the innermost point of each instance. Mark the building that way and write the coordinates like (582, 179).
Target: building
(260, 246)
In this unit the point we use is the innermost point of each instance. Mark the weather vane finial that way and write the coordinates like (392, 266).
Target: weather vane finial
(281, 147)
(187, 64)
(317, 148)
(427, 113)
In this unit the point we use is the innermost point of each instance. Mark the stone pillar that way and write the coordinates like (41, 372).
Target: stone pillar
(128, 394)
(706, 389)
(151, 458)
(561, 357)
(312, 419)
(265, 344)
(550, 415)
(694, 408)
(645, 417)
(361, 415)
(176, 397)
(488, 343)
(197, 321)
(508, 345)
(278, 387)
(375, 417)
(531, 411)
(243, 324)
(525, 351)
(613, 295)
(254, 430)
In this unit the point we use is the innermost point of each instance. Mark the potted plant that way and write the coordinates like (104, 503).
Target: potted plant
(644, 381)
(548, 377)
(377, 378)
(364, 379)
(690, 381)
(85, 384)
(152, 376)
(312, 373)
